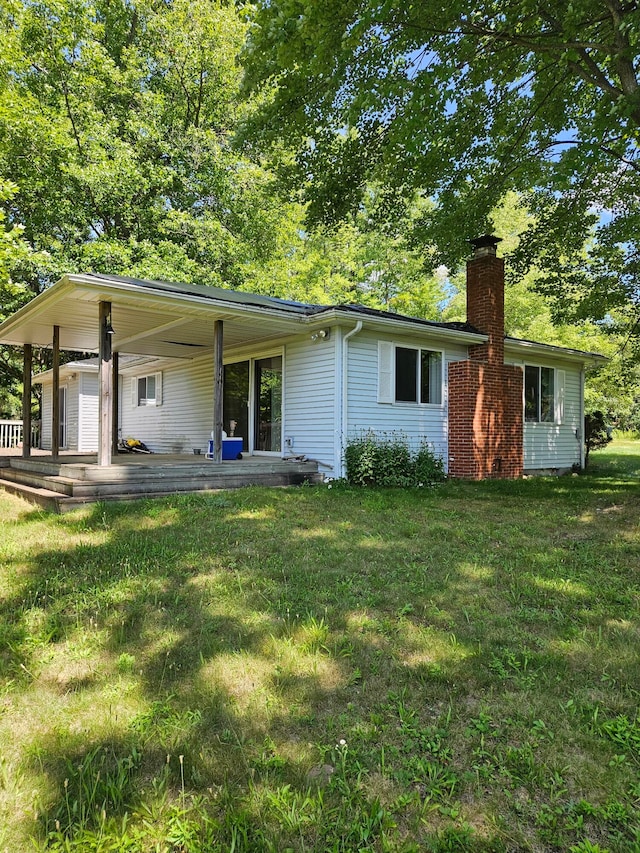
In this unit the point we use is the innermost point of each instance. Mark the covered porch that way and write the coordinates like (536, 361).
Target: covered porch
(116, 317)
(71, 480)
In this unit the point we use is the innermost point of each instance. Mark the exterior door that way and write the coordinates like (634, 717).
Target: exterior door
(252, 404)
(235, 405)
(268, 404)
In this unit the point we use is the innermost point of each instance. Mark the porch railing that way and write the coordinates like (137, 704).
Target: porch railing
(11, 434)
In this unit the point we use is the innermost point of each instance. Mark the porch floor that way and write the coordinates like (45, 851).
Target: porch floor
(71, 479)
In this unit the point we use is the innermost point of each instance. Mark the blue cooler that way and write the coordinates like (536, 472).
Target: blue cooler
(231, 448)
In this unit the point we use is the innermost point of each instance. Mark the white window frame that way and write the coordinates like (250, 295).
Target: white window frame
(387, 373)
(557, 403)
(142, 402)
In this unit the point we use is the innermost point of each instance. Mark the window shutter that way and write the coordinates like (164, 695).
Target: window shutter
(385, 372)
(134, 391)
(435, 377)
(158, 389)
(559, 396)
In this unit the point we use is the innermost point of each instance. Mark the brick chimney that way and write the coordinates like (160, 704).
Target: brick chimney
(485, 394)
(485, 298)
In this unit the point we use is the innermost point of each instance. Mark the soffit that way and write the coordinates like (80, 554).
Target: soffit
(146, 322)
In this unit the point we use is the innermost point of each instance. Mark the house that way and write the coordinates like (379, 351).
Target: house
(180, 363)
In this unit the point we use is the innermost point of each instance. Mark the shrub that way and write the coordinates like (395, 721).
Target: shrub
(596, 433)
(387, 460)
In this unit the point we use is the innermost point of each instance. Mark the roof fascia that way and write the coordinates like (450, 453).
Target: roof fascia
(520, 347)
(151, 294)
(53, 294)
(406, 324)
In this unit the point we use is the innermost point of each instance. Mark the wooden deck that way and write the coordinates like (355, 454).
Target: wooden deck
(65, 482)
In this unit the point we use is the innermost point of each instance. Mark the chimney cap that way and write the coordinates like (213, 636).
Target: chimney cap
(484, 241)
(485, 245)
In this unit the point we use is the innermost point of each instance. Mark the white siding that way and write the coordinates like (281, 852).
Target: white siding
(45, 431)
(88, 409)
(416, 422)
(184, 420)
(557, 445)
(72, 384)
(310, 397)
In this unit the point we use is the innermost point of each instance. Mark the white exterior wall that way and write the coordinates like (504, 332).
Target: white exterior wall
(82, 412)
(417, 422)
(73, 410)
(88, 412)
(183, 420)
(47, 414)
(310, 384)
(556, 445)
(72, 386)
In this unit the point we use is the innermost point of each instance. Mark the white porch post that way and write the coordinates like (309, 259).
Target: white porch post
(218, 390)
(105, 387)
(27, 367)
(55, 391)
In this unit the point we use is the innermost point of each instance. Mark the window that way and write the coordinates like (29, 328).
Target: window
(147, 390)
(418, 374)
(540, 395)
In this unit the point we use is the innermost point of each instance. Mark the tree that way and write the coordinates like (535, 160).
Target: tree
(597, 433)
(12, 250)
(115, 122)
(366, 259)
(463, 103)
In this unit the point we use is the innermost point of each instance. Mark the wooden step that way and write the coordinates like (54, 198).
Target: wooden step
(64, 485)
(63, 500)
(118, 473)
(45, 498)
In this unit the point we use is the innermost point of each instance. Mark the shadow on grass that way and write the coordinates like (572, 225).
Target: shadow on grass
(258, 627)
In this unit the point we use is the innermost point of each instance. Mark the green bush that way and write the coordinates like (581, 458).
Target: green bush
(387, 460)
(597, 433)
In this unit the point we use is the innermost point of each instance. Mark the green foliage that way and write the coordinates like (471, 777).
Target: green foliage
(387, 460)
(597, 433)
(116, 125)
(463, 105)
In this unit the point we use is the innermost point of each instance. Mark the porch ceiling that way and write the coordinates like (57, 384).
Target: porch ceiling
(146, 320)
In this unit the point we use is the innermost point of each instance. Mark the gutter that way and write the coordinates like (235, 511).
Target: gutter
(345, 392)
(384, 324)
(522, 347)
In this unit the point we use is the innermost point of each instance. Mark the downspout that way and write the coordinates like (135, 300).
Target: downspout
(345, 393)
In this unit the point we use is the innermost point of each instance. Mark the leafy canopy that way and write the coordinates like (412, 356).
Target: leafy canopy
(116, 124)
(463, 102)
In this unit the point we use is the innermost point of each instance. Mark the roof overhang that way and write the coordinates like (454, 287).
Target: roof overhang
(176, 321)
(147, 320)
(400, 325)
(527, 349)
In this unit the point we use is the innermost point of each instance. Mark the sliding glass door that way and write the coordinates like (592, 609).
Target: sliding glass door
(268, 405)
(252, 403)
(235, 406)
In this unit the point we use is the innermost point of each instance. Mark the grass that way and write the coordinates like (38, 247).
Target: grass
(326, 669)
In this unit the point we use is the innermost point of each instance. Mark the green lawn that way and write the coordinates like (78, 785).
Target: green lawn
(326, 669)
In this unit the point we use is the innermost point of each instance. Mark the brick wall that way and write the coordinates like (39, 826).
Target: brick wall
(485, 421)
(485, 306)
(485, 395)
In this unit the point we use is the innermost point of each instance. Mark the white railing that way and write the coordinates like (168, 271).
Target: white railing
(11, 434)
